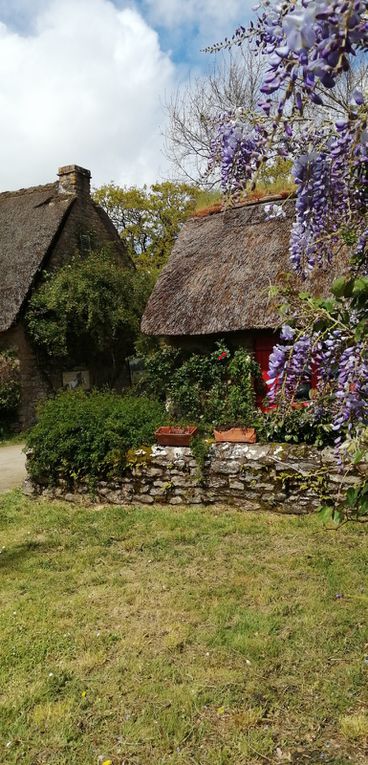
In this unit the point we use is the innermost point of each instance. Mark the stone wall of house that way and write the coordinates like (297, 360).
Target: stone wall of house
(279, 477)
(84, 229)
(35, 384)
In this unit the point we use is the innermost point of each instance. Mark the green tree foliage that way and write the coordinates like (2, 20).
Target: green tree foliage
(91, 306)
(149, 219)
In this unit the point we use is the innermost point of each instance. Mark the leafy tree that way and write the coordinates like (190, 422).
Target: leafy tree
(88, 309)
(149, 219)
(309, 47)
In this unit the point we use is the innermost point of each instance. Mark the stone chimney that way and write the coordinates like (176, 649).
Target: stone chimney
(74, 180)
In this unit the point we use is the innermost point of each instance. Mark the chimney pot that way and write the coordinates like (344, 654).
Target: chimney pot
(74, 180)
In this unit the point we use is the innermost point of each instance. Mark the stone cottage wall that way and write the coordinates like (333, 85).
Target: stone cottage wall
(84, 228)
(35, 385)
(279, 477)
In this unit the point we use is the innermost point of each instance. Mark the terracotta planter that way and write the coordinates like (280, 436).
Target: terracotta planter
(236, 436)
(171, 436)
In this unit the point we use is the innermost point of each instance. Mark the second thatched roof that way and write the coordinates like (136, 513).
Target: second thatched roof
(218, 277)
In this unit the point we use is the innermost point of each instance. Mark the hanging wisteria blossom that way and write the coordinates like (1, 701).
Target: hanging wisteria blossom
(309, 45)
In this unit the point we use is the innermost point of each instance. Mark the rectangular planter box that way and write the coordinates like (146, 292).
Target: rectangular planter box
(171, 436)
(236, 436)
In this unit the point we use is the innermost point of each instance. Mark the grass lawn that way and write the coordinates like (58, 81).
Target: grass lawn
(180, 637)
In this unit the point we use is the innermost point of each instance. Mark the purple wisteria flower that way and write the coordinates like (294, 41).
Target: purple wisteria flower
(274, 211)
(308, 44)
(287, 332)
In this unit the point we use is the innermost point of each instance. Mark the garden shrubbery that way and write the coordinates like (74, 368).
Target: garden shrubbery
(82, 436)
(298, 426)
(86, 436)
(9, 390)
(217, 388)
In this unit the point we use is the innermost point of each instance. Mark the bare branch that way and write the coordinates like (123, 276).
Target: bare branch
(233, 83)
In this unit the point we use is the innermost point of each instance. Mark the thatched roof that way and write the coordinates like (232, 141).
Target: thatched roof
(29, 222)
(219, 273)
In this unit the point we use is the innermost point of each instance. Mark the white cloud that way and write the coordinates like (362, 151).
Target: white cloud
(19, 13)
(220, 13)
(192, 25)
(84, 87)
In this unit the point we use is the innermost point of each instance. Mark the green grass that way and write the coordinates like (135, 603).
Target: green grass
(180, 637)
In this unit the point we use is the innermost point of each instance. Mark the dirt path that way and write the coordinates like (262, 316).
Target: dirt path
(12, 466)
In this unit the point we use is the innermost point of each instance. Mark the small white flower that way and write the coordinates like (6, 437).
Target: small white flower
(274, 211)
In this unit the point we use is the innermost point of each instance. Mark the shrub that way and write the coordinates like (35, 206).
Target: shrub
(82, 436)
(9, 389)
(91, 306)
(298, 426)
(215, 388)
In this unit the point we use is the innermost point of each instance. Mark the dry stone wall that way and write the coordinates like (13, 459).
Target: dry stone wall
(279, 477)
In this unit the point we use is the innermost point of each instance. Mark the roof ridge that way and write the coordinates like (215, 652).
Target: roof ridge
(29, 190)
(219, 207)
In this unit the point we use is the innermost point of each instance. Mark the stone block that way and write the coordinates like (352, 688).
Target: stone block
(225, 467)
(180, 480)
(152, 471)
(29, 488)
(251, 505)
(142, 499)
(157, 493)
(344, 480)
(216, 481)
(236, 485)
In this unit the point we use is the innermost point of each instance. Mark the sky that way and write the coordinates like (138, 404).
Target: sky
(85, 82)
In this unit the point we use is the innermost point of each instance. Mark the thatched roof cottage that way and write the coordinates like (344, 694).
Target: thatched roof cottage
(43, 227)
(216, 282)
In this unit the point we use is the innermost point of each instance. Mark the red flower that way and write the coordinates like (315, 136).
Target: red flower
(222, 356)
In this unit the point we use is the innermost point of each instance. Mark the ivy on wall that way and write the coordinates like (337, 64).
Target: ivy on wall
(91, 306)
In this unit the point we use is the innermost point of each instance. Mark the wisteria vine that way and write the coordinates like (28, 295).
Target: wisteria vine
(308, 45)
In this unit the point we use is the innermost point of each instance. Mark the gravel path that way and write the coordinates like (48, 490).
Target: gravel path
(12, 466)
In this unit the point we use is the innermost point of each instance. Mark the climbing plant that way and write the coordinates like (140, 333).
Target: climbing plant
(91, 306)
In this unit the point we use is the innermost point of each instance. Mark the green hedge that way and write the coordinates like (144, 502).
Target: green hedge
(86, 436)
